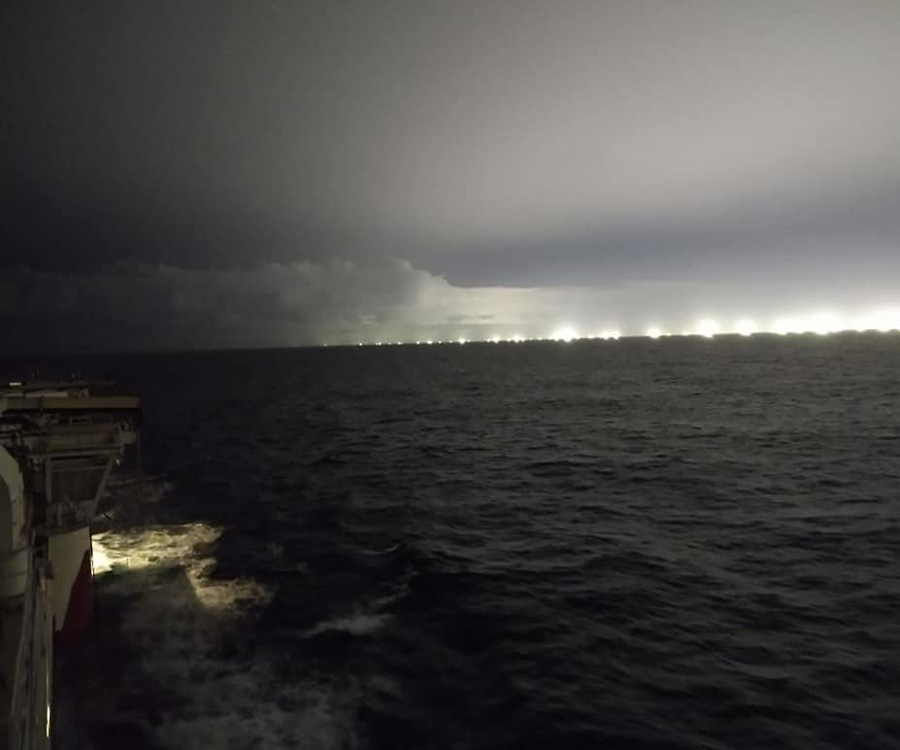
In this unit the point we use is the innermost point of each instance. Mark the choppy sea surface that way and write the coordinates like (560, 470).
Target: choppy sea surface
(680, 543)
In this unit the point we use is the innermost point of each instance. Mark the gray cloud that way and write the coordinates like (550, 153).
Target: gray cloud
(141, 306)
(136, 306)
(805, 237)
(438, 126)
(186, 152)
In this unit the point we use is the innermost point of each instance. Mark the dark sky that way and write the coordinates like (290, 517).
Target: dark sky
(240, 174)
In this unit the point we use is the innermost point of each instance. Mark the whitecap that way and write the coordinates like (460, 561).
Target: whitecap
(359, 623)
(175, 618)
(385, 551)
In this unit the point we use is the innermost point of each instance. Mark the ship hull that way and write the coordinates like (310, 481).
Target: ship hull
(58, 447)
(72, 586)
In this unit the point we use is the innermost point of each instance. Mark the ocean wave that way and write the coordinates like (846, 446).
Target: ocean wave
(186, 546)
(702, 557)
(377, 552)
(359, 623)
(202, 683)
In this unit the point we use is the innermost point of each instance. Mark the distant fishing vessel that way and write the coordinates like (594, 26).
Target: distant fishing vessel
(59, 445)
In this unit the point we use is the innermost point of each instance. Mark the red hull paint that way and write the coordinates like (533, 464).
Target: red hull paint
(80, 613)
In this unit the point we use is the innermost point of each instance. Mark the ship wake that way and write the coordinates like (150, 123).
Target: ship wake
(179, 666)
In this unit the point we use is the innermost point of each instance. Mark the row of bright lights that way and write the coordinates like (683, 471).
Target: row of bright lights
(819, 323)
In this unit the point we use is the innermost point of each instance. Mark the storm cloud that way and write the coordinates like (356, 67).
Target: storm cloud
(133, 307)
(141, 306)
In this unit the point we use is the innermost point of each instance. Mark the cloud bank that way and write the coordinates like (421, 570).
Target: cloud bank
(472, 138)
(134, 306)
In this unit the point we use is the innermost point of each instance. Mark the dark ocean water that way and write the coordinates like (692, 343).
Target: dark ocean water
(637, 544)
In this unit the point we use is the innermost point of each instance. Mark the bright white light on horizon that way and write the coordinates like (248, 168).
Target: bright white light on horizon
(746, 327)
(881, 320)
(784, 326)
(826, 322)
(822, 323)
(564, 333)
(708, 328)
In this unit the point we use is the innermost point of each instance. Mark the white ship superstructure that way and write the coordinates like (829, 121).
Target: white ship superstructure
(59, 444)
